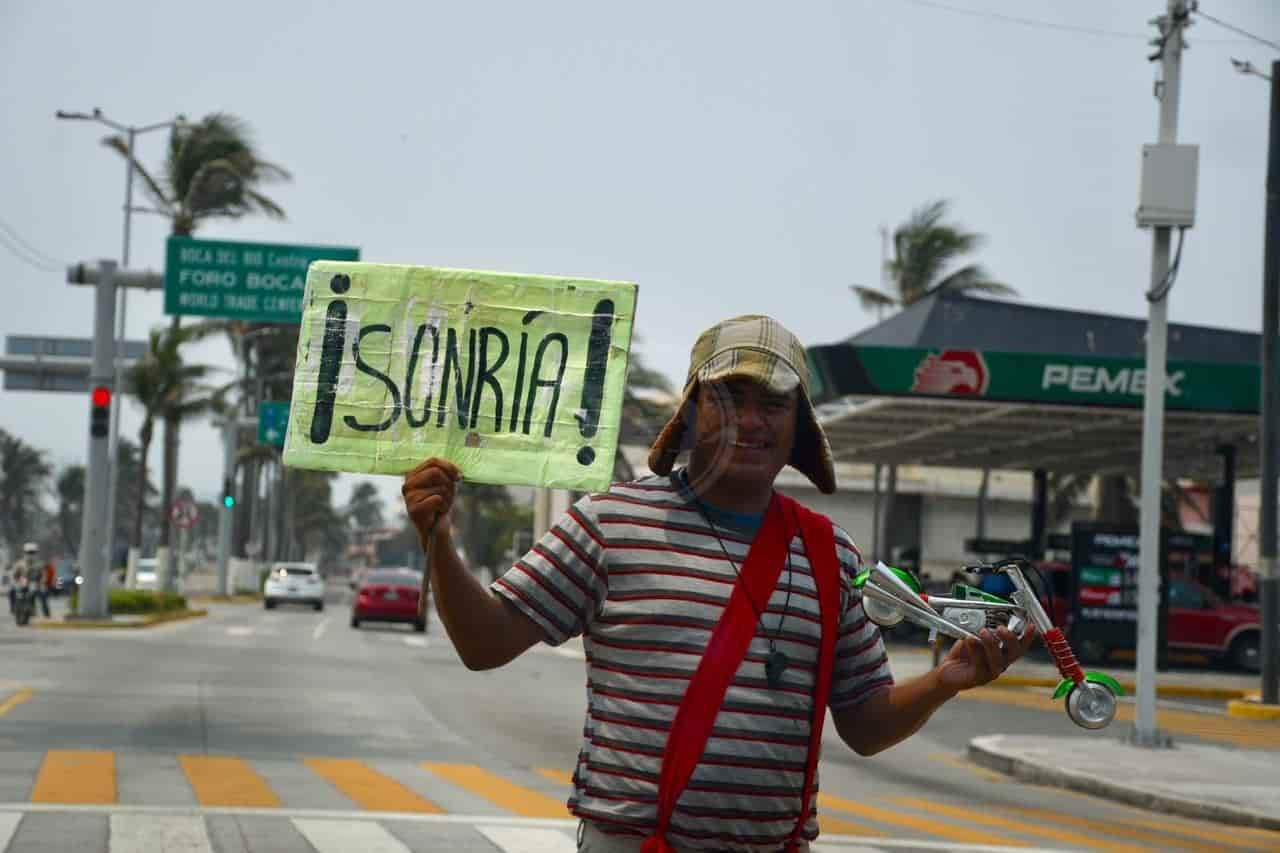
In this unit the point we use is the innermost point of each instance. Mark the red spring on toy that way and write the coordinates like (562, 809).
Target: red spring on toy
(1068, 666)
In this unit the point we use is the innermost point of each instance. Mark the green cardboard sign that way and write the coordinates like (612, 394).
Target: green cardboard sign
(516, 379)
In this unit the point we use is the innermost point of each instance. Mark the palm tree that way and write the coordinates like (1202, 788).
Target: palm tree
(313, 519)
(23, 472)
(172, 391)
(926, 251)
(212, 169)
(364, 509)
(131, 482)
(647, 404)
(70, 491)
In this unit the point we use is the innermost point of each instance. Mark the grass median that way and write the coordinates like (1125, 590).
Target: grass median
(130, 608)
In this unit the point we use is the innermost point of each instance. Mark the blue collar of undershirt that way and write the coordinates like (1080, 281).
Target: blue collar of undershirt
(742, 521)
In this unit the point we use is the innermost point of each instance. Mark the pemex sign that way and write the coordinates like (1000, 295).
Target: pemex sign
(842, 370)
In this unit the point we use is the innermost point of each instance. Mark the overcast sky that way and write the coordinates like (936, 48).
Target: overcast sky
(730, 157)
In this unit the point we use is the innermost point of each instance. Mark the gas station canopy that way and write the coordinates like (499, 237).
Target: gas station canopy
(978, 383)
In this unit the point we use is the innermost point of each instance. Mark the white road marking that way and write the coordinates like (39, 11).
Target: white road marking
(829, 843)
(511, 840)
(343, 836)
(240, 631)
(8, 826)
(168, 833)
(566, 652)
(416, 642)
(301, 814)
(320, 629)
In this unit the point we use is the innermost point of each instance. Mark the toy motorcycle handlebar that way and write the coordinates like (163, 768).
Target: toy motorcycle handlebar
(891, 595)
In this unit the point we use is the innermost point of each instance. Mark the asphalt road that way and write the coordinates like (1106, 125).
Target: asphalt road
(254, 730)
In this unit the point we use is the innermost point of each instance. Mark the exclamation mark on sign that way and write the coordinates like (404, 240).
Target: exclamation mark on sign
(332, 346)
(593, 381)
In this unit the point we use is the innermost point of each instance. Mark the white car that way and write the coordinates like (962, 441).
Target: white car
(145, 576)
(293, 583)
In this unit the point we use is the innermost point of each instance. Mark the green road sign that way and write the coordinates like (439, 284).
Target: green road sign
(258, 282)
(841, 369)
(273, 420)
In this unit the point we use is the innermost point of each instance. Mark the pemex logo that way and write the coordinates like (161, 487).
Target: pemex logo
(953, 371)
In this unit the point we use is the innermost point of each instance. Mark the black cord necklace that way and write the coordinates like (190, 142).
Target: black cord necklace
(776, 663)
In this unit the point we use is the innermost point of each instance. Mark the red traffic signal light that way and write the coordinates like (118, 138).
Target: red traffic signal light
(100, 411)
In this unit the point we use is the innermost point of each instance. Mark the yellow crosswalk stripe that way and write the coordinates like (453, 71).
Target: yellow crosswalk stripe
(14, 701)
(910, 821)
(1164, 839)
(76, 776)
(223, 780)
(369, 788)
(1037, 830)
(560, 777)
(840, 826)
(497, 790)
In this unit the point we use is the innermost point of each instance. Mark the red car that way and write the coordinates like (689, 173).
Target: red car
(388, 595)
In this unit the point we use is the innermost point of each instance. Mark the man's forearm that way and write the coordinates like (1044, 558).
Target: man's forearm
(476, 620)
(895, 714)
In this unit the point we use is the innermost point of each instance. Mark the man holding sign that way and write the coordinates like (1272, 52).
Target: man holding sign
(717, 617)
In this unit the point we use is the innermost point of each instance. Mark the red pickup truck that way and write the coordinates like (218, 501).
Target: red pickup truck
(1201, 621)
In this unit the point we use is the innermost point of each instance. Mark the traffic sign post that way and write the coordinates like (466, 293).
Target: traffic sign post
(32, 363)
(184, 514)
(94, 538)
(258, 282)
(273, 422)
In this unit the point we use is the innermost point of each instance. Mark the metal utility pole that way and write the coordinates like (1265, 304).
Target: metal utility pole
(1145, 733)
(230, 442)
(1269, 585)
(131, 133)
(95, 566)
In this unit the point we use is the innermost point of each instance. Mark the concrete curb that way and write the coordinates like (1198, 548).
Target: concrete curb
(1194, 691)
(146, 622)
(984, 752)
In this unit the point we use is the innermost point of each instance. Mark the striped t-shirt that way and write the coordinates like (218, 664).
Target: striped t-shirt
(638, 572)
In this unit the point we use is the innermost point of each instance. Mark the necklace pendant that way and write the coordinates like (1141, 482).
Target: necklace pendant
(774, 666)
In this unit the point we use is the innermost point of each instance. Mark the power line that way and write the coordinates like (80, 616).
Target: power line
(1236, 30)
(1026, 22)
(28, 256)
(27, 248)
(1040, 24)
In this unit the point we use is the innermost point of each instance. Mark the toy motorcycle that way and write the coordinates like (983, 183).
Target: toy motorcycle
(890, 595)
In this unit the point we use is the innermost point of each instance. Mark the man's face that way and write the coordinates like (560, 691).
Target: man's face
(744, 430)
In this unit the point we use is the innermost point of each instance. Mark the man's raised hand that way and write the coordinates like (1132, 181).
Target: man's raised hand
(428, 492)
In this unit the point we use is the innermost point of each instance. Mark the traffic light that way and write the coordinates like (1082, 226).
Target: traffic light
(99, 411)
(228, 495)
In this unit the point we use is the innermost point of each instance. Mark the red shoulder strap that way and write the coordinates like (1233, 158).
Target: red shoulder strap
(820, 549)
(725, 650)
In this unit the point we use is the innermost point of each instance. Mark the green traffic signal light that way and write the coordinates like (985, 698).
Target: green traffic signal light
(228, 501)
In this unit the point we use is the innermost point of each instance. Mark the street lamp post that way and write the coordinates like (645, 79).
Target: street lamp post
(131, 133)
